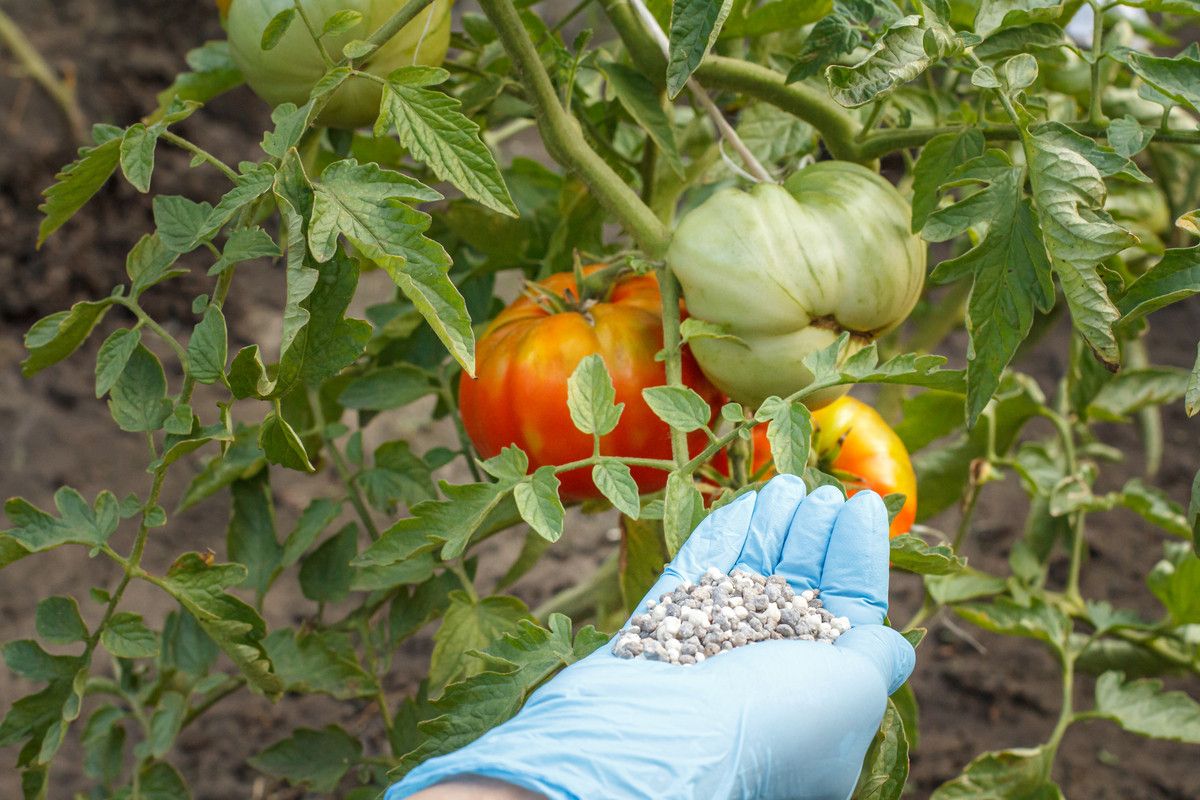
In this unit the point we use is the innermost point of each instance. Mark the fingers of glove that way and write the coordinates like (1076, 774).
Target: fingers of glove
(885, 648)
(807, 540)
(773, 512)
(716, 542)
(854, 580)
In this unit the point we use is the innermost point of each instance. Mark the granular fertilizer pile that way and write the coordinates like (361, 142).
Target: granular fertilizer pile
(696, 622)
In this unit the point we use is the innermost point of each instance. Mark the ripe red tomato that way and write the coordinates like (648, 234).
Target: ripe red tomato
(853, 442)
(526, 355)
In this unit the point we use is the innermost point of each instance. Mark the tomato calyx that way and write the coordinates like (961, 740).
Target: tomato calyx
(830, 323)
(592, 286)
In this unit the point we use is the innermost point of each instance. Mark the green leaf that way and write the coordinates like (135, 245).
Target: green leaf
(904, 51)
(966, 584)
(939, 159)
(1069, 194)
(1191, 396)
(53, 338)
(428, 600)
(390, 387)
(832, 37)
(1153, 505)
(533, 548)
(1127, 136)
(58, 621)
(434, 294)
(242, 458)
(181, 224)
(1178, 78)
(1105, 159)
(1142, 707)
(470, 625)
(158, 781)
(615, 482)
(695, 26)
(643, 554)
(236, 628)
(518, 662)
(251, 539)
(35, 530)
(26, 658)
(1037, 620)
(276, 28)
(138, 400)
(317, 759)
(1004, 774)
(453, 521)
(591, 396)
(774, 137)
(1132, 390)
(126, 636)
(641, 100)
(137, 154)
(436, 133)
(1009, 267)
(774, 16)
(103, 741)
(912, 554)
(996, 14)
(213, 72)
(683, 508)
(185, 645)
(1193, 513)
(316, 517)
(254, 181)
(150, 262)
(208, 347)
(326, 574)
(164, 726)
(341, 22)
(112, 357)
(319, 662)
(678, 406)
(1175, 581)
(399, 475)
(1175, 277)
(538, 503)
(76, 184)
(789, 431)
(245, 244)
(282, 445)
(885, 766)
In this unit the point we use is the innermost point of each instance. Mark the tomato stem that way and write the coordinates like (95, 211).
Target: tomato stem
(672, 352)
(200, 153)
(316, 36)
(62, 91)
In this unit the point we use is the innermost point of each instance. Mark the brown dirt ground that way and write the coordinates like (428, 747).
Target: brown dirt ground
(977, 691)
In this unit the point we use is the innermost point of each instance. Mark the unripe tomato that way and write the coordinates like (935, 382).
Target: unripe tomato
(854, 443)
(788, 268)
(526, 355)
(287, 72)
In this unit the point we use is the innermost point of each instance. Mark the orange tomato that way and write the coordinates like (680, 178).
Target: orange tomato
(526, 355)
(853, 442)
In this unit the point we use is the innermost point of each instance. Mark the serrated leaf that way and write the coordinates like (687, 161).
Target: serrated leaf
(435, 132)
(832, 37)
(940, 157)
(591, 396)
(641, 99)
(1127, 136)
(470, 625)
(341, 22)
(317, 759)
(912, 554)
(885, 766)
(1011, 273)
(181, 224)
(208, 347)
(774, 16)
(1178, 78)
(538, 503)
(282, 445)
(138, 400)
(212, 72)
(453, 521)
(245, 244)
(54, 337)
(319, 662)
(126, 636)
(150, 262)
(695, 26)
(326, 574)
(678, 406)
(112, 357)
(137, 155)
(615, 482)
(1004, 774)
(683, 509)
(76, 184)
(1175, 277)
(996, 14)
(1069, 195)
(35, 530)
(789, 430)
(900, 55)
(250, 538)
(1175, 581)
(1132, 390)
(387, 388)
(1142, 707)
(1037, 620)
(236, 628)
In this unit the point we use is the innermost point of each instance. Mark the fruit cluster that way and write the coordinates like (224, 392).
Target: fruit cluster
(722, 612)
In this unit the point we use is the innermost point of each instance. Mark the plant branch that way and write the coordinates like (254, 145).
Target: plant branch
(353, 492)
(200, 153)
(672, 344)
(312, 31)
(838, 129)
(564, 139)
(1095, 113)
(757, 170)
(391, 26)
(586, 596)
(61, 91)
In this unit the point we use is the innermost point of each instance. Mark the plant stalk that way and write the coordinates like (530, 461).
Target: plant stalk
(61, 91)
(564, 139)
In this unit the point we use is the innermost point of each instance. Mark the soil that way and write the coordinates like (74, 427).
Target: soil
(977, 691)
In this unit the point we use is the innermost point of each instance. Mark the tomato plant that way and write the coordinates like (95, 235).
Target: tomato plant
(790, 170)
(526, 358)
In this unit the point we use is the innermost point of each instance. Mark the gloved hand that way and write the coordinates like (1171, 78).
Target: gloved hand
(774, 719)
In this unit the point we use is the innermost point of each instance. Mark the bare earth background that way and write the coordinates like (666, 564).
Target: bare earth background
(977, 692)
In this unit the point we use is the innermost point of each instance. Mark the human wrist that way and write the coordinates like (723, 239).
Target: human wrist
(476, 787)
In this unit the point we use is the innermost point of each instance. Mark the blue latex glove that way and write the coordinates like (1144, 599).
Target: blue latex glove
(775, 719)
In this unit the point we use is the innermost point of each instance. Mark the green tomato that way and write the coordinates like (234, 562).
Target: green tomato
(287, 72)
(787, 269)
